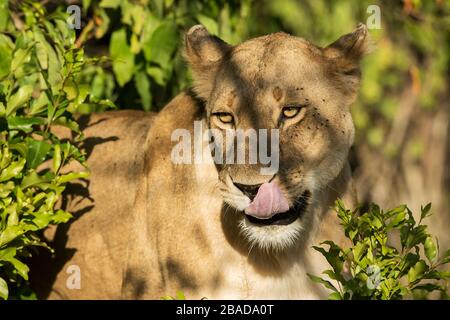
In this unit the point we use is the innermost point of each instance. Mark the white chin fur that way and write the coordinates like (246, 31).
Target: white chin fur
(276, 237)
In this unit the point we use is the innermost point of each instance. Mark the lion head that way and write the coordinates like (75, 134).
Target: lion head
(285, 84)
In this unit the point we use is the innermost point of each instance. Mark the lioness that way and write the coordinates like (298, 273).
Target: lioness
(146, 227)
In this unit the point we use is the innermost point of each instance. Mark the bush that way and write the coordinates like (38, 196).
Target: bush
(38, 90)
(143, 39)
(373, 267)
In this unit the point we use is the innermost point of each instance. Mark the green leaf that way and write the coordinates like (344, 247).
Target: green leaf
(6, 47)
(446, 257)
(135, 45)
(7, 254)
(332, 256)
(3, 289)
(158, 74)
(150, 25)
(144, 90)
(444, 274)
(123, 57)
(26, 293)
(72, 176)
(139, 15)
(38, 105)
(42, 220)
(83, 91)
(65, 122)
(410, 260)
(23, 123)
(6, 188)
(61, 216)
(417, 271)
(12, 170)
(19, 98)
(13, 218)
(427, 287)
(56, 158)
(324, 282)
(11, 233)
(21, 268)
(102, 29)
(433, 274)
(113, 4)
(42, 55)
(86, 4)
(430, 249)
(425, 211)
(20, 57)
(162, 44)
(71, 90)
(34, 179)
(209, 23)
(358, 250)
(180, 295)
(20, 147)
(4, 14)
(335, 296)
(331, 274)
(416, 236)
(54, 76)
(398, 219)
(37, 152)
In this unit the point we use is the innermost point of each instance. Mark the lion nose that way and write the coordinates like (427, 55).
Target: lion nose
(249, 190)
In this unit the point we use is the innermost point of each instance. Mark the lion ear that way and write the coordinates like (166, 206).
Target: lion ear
(345, 55)
(204, 53)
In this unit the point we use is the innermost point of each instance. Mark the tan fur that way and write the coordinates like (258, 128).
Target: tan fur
(146, 227)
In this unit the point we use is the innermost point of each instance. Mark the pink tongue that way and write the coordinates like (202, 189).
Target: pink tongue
(268, 201)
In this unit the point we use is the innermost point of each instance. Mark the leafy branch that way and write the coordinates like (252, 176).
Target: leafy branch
(391, 256)
(39, 88)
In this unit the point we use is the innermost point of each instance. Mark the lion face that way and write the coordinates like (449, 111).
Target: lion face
(299, 95)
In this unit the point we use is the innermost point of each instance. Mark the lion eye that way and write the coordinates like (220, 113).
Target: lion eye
(224, 117)
(291, 111)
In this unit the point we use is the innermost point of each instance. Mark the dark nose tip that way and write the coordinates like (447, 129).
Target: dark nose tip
(249, 190)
